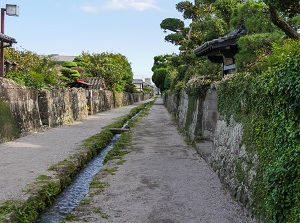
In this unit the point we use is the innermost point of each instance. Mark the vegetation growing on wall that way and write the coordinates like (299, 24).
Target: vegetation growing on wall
(31, 69)
(8, 127)
(113, 67)
(268, 106)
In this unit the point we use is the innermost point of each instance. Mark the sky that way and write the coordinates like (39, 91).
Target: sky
(70, 27)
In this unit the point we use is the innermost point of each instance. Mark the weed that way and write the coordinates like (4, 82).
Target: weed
(120, 162)
(100, 212)
(110, 170)
(71, 217)
(98, 184)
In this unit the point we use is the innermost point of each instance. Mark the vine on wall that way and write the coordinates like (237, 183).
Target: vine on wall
(268, 106)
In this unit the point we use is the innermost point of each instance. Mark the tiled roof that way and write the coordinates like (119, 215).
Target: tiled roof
(61, 58)
(137, 81)
(96, 82)
(229, 39)
(7, 39)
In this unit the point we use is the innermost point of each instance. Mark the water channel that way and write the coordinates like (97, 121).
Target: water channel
(76, 191)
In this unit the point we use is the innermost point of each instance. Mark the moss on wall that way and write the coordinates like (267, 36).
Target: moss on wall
(192, 106)
(8, 127)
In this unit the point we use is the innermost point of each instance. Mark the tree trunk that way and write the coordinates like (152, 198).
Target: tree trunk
(283, 25)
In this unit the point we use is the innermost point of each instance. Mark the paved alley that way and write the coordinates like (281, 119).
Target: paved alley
(162, 181)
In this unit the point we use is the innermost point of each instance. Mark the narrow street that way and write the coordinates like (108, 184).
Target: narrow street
(163, 180)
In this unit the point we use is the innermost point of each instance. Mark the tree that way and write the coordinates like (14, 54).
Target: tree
(160, 68)
(32, 70)
(114, 68)
(283, 13)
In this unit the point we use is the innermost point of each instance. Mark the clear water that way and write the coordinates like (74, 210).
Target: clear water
(76, 191)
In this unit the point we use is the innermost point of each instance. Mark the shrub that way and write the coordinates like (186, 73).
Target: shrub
(69, 64)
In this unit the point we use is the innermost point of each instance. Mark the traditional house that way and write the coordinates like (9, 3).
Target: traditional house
(139, 84)
(222, 50)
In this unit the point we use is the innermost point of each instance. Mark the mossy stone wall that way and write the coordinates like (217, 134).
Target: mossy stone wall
(31, 109)
(23, 104)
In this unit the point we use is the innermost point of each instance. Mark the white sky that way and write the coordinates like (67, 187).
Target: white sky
(69, 27)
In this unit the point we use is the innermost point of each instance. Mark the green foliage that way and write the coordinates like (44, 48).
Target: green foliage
(270, 104)
(32, 69)
(198, 85)
(252, 15)
(252, 48)
(159, 76)
(172, 24)
(114, 68)
(69, 75)
(174, 38)
(161, 70)
(289, 6)
(8, 127)
(69, 64)
(147, 89)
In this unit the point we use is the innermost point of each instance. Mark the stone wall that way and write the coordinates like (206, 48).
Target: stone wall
(32, 109)
(197, 116)
(101, 100)
(236, 167)
(62, 105)
(210, 113)
(222, 143)
(141, 97)
(23, 103)
(123, 99)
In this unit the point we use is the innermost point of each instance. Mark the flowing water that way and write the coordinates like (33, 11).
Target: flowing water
(76, 191)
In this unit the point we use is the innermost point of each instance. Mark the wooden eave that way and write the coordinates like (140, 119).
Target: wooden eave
(215, 47)
(7, 39)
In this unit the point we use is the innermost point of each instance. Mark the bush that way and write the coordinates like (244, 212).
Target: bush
(69, 64)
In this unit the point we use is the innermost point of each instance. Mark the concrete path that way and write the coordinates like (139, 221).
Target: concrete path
(23, 160)
(162, 181)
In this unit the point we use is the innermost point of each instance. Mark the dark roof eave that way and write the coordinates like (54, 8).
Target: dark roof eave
(229, 39)
(7, 39)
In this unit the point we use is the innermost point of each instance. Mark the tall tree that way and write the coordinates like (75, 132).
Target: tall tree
(282, 14)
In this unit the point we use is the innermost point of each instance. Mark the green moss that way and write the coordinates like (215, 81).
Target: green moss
(241, 175)
(8, 126)
(192, 106)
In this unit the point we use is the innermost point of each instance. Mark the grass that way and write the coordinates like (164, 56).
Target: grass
(47, 188)
(111, 171)
(100, 212)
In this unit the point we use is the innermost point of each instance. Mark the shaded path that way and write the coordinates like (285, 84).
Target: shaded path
(162, 181)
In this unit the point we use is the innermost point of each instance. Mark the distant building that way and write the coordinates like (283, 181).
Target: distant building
(148, 81)
(61, 58)
(139, 84)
